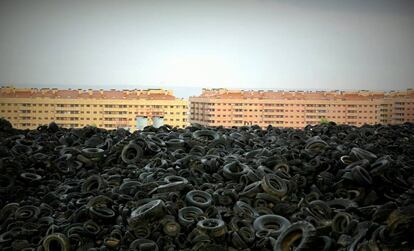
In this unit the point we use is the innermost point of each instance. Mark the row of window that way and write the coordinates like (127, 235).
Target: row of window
(71, 124)
(81, 118)
(106, 106)
(196, 115)
(280, 110)
(199, 104)
(278, 122)
(196, 104)
(96, 112)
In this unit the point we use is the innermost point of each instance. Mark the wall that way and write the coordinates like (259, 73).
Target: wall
(297, 109)
(29, 108)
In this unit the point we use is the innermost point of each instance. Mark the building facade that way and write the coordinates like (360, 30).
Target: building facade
(30, 107)
(223, 107)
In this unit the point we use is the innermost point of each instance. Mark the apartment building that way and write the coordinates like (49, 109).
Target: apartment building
(30, 107)
(223, 107)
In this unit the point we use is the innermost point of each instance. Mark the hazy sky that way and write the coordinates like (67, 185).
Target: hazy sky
(280, 44)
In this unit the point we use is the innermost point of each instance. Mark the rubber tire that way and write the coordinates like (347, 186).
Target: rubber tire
(56, 237)
(274, 185)
(146, 213)
(184, 212)
(301, 230)
(190, 198)
(212, 227)
(260, 223)
(125, 156)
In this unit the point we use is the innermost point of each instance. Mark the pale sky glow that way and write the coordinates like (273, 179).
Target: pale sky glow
(280, 44)
(201, 69)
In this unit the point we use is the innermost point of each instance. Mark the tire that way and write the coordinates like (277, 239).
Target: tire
(299, 237)
(131, 153)
(274, 225)
(212, 227)
(189, 215)
(234, 170)
(206, 135)
(146, 213)
(274, 185)
(56, 242)
(199, 199)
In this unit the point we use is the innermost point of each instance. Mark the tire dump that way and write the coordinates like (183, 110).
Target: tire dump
(326, 187)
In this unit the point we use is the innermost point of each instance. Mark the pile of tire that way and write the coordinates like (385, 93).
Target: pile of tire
(327, 187)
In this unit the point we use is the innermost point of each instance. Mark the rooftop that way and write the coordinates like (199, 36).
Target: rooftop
(304, 95)
(151, 94)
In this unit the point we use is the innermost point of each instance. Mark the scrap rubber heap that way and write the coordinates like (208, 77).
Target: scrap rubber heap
(327, 187)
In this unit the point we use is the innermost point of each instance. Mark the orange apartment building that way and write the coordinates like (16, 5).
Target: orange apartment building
(223, 107)
(30, 107)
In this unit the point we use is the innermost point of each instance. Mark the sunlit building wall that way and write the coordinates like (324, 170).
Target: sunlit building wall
(30, 107)
(223, 107)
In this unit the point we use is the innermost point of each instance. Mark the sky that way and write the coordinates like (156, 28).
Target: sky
(187, 45)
